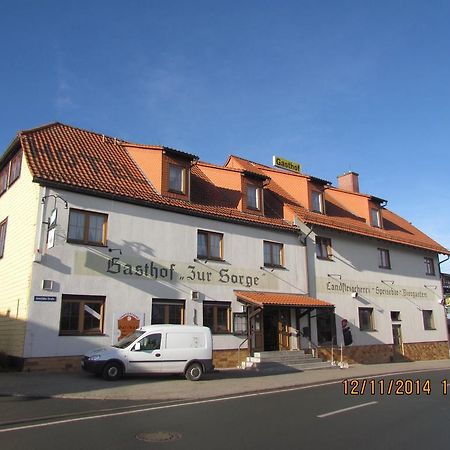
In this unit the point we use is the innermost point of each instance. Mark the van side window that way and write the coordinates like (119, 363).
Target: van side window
(151, 342)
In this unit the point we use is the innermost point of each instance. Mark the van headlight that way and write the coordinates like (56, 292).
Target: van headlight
(94, 357)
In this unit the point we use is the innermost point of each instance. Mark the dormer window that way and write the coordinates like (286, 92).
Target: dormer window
(177, 176)
(375, 217)
(317, 201)
(253, 197)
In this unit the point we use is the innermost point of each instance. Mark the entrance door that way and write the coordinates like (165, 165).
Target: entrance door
(397, 340)
(283, 329)
(256, 331)
(276, 329)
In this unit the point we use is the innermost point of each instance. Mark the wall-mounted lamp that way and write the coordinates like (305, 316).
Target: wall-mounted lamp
(265, 268)
(55, 197)
(115, 250)
(335, 275)
(390, 282)
(429, 286)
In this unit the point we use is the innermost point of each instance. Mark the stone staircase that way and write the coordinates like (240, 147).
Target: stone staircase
(284, 361)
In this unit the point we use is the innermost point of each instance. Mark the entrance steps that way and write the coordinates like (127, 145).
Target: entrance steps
(284, 361)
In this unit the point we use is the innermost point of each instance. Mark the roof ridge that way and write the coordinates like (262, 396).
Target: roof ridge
(84, 130)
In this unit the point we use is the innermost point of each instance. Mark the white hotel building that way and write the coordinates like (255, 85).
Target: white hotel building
(99, 236)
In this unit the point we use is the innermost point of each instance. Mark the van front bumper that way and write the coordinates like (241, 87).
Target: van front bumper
(95, 366)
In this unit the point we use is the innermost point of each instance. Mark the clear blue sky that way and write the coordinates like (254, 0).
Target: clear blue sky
(334, 85)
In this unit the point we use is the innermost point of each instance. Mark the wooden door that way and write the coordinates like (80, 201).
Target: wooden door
(256, 332)
(283, 329)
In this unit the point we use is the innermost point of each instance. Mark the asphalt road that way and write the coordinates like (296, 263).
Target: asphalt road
(311, 417)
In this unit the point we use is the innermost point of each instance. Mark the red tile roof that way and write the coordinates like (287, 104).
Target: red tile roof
(395, 229)
(77, 159)
(260, 298)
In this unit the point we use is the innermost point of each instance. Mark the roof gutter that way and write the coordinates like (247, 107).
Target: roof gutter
(161, 206)
(10, 149)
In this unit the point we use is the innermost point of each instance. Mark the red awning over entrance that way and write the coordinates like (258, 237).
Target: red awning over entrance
(279, 299)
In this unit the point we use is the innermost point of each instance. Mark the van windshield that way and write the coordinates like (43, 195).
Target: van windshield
(127, 340)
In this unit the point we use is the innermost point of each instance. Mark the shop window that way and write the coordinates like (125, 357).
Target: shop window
(240, 324)
(81, 315)
(384, 260)
(216, 315)
(177, 175)
(317, 201)
(323, 248)
(87, 227)
(428, 321)
(429, 264)
(253, 197)
(209, 245)
(273, 254)
(168, 311)
(3, 237)
(366, 319)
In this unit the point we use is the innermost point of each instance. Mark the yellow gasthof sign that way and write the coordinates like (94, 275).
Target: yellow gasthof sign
(286, 164)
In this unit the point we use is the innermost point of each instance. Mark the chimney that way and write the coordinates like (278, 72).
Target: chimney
(349, 182)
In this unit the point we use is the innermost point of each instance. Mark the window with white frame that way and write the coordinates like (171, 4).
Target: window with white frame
(384, 259)
(273, 254)
(428, 320)
(429, 264)
(240, 324)
(366, 319)
(316, 201)
(375, 217)
(253, 197)
(177, 175)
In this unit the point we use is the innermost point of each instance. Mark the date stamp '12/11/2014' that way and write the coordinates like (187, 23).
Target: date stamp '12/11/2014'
(398, 386)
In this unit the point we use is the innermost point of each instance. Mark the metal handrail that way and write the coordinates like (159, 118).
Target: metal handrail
(239, 349)
(311, 343)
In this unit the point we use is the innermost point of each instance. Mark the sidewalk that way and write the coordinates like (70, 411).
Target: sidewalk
(222, 383)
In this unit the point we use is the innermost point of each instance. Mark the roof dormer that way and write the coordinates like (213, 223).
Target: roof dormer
(253, 192)
(348, 197)
(316, 187)
(168, 170)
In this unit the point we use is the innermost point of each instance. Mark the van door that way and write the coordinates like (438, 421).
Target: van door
(147, 358)
(179, 348)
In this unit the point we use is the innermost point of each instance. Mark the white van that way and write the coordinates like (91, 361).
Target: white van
(180, 349)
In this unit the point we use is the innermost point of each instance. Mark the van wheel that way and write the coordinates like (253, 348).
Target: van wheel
(112, 371)
(194, 372)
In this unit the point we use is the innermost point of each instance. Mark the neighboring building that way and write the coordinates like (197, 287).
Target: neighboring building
(99, 236)
(445, 277)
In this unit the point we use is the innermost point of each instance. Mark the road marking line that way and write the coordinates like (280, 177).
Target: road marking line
(176, 405)
(346, 409)
(233, 397)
